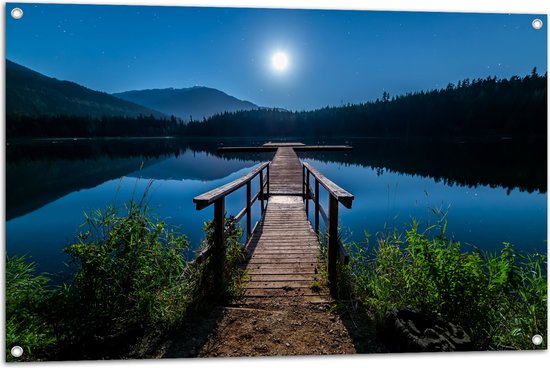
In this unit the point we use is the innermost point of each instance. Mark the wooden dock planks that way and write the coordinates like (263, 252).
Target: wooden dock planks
(284, 260)
(284, 251)
(285, 174)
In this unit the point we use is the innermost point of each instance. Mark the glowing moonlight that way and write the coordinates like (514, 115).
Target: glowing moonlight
(280, 61)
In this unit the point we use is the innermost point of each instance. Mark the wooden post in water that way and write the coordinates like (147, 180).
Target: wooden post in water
(267, 174)
(307, 194)
(304, 183)
(218, 254)
(333, 245)
(317, 206)
(262, 191)
(248, 210)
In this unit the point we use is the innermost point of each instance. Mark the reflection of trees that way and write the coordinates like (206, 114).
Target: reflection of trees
(509, 163)
(92, 149)
(52, 150)
(38, 173)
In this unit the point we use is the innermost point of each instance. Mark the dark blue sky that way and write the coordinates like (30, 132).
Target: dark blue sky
(334, 56)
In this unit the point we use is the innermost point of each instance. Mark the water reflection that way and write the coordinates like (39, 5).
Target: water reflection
(496, 190)
(481, 216)
(67, 166)
(38, 173)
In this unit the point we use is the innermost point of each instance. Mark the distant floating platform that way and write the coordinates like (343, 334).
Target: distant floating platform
(272, 147)
(283, 144)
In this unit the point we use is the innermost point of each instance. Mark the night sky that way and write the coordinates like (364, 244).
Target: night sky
(334, 57)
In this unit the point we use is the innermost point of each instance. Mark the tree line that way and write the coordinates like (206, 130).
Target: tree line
(68, 126)
(482, 107)
(513, 107)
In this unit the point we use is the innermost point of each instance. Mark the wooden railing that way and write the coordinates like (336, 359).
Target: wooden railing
(217, 197)
(336, 195)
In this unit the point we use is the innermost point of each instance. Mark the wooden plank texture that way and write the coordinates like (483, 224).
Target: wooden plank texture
(284, 252)
(285, 173)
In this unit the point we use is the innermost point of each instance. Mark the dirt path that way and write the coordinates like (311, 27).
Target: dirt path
(291, 330)
(276, 329)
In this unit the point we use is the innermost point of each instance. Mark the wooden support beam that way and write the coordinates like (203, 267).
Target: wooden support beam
(248, 210)
(267, 174)
(317, 206)
(333, 246)
(307, 194)
(262, 191)
(218, 252)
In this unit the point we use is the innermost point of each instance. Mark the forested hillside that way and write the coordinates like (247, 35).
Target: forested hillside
(31, 93)
(491, 107)
(506, 107)
(187, 103)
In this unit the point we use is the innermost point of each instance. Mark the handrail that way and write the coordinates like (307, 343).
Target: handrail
(217, 197)
(206, 199)
(340, 194)
(336, 195)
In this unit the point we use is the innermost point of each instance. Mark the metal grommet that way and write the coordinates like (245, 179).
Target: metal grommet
(537, 24)
(537, 339)
(17, 13)
(16, 351)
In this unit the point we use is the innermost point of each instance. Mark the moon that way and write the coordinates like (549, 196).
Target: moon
(279, 60)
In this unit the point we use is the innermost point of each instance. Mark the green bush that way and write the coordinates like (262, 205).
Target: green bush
(129, 276)
(501, 300)
(233, 274)
(129, 272)
(26, 296)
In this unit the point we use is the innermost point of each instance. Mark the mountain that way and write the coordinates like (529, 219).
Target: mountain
(195, 102)
(31, 93)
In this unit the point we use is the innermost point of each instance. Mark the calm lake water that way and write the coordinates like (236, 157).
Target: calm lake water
(491, 195)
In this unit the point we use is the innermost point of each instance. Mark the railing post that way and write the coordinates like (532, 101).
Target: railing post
(248, 210)
(317, 206)
(218, 254)
(304, 182)
(333, 244)
(267, 174)
(262, 190)
(307, 194)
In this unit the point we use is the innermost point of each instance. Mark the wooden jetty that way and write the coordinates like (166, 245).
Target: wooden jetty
(283, 247)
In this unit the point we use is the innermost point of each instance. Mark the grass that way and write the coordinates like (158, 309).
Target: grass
(234, 276)
(129, 277)
(499, 299)
(25, 298)
(129, 272)
(316, 286)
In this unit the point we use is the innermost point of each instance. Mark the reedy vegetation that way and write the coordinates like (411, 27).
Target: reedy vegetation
(499, 299)
(130, 277)
(25, 300)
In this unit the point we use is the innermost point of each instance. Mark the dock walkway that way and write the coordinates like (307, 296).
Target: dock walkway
(283, 249)
(284, 307)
